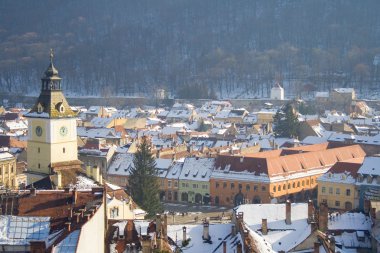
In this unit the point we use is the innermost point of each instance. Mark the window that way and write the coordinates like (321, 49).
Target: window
(337, 191)
(227, 199)
(232, 185)
(175, 184)
(224, 185)
(263, 188)
(294, 185)
(330, 190)
(12, 169)
(240, 186)
(303, 183)
(298, 184)
(169, 183)
(323, 189)
(307, 182)
(312, 181)
(39, 150)
(114, 212)
(279, 188)
(183, 184)
(289, 186)
(216, 185)
(337, 203)
(274, 188)
(195, 186)
(64, 150)
(204, 186)
(247, 187)
(348, 192)
(39, 166)
(284, 187)
(255, 188)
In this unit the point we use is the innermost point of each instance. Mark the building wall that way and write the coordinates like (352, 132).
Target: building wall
(336, 195)
(119, 180)
(8, 173)
(192, 188)
(91, 238)
(224, 191)
(277, 93)
(53, 145)
(119, 210)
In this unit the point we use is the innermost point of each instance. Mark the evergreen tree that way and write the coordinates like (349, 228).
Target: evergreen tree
(143, 180)
(285, 122)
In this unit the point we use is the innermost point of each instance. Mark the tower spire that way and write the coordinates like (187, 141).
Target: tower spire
(51, 56)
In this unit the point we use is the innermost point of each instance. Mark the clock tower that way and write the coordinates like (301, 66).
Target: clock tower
(52, 142)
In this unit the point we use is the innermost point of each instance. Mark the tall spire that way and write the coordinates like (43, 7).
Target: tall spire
(51, 71)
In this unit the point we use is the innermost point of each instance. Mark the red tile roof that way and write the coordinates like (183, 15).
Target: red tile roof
(282, 165)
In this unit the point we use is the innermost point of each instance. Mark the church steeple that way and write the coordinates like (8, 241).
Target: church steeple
(51, 103)
(51, 80)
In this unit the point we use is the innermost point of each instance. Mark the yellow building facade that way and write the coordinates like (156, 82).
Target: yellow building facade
(8, 171)
(337, 186)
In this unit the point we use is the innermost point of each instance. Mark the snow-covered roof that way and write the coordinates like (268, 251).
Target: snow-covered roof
(175, 171)
(344, 90)
(98, 133)
(163, 164)
(20, 230)
(370, 166)
(349, 221)
(83, 183)
(197, 169)
(6, 156)
(16, 125)
(218, 232)
(101, 122)
(281, 236)
(322, 94)
(121, 164)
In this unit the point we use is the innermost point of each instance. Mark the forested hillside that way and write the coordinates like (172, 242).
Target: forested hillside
(235, 48)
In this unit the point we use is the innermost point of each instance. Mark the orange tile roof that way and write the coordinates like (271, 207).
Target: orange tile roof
(288, 164)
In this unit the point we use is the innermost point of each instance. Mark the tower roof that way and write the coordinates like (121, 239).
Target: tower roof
(51, 103)
(51, 72)
(277, 85)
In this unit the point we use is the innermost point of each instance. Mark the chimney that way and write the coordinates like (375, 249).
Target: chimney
(165, 227)
(316, 247)
(206, 235)
(68, 226)
(310, 211)
(288, 214)
(184, 233)
(233, 230)
(323, 217)
(33, 191)
(224, 247)
(158, 224)
(264, 226)
(239, 248)
(75, 196)
(373, 213)
(78, 217)
(37, 246)
(332, 243)
(70, 212)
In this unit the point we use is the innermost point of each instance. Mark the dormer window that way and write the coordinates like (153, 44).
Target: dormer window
(60, 107)
(40, 108)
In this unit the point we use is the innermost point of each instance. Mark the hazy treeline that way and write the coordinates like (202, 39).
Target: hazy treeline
(107, 47)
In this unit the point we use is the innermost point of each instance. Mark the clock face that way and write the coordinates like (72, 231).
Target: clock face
(63, 131)
(38, 131)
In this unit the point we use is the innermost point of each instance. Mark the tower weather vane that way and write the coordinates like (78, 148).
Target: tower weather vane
(51, 55)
